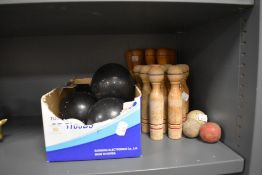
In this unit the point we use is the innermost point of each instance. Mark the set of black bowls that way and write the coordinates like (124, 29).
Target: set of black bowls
(111, 86)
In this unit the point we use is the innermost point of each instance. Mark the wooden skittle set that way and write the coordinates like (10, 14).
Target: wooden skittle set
(165, 94)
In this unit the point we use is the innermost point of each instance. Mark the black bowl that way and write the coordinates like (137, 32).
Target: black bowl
(104, 109)
(113, 80)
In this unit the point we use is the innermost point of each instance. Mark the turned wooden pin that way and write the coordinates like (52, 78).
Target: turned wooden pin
(167, 83)
(156, 103)
(150, 56)
(185, 90)
(162, 56)
(165, 94)
(146, 89)
(175, 103)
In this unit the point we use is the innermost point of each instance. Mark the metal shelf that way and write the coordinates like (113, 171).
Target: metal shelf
(240, 2)
(22, 152)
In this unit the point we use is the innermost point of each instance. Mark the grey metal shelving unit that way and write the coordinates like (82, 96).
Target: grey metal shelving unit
(45, 43)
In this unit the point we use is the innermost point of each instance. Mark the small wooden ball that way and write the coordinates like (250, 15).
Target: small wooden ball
(191, 128)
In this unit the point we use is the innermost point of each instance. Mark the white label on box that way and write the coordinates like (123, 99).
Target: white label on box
(121, 128)
(202, 117)
(185, 96)
(135, 58)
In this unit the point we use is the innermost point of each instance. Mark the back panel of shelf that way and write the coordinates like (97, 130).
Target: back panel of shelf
(32, 66)
(121, 17)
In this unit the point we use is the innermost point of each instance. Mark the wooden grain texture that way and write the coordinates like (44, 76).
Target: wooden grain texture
(156, 103)
(175, 103)
(145, 97)
(165, 87)
(162, 56)
(150, 56)
(185, 89)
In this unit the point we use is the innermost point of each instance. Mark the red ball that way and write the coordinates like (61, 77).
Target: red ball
(210, 132)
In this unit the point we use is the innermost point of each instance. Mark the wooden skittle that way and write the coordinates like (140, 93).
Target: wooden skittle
(150, 56)
(175, 103)
(185, 90)
(162, 56)
(167, 83)
(165, 94)
(146, 89)
(156, 102)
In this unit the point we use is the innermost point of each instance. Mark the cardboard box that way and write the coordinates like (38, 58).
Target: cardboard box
(71, 140)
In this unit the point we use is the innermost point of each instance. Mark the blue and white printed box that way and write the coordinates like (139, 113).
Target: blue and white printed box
(71, 140)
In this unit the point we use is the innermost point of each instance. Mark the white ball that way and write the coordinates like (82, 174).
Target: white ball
(191, 128)
(198, 115)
